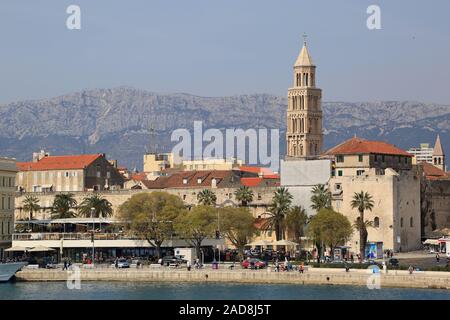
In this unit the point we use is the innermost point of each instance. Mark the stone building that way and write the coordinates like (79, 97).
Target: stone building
(68, 173)
(304, 114)
(7, 191)
(435, 200)
(386, 173)
(185, 184)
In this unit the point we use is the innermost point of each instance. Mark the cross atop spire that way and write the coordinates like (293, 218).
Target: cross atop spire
(304, 38)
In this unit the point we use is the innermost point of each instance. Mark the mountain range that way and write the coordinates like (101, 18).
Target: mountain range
(126, 122)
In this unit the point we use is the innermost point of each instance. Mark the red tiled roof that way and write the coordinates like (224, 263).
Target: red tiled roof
(259, 170)
(361, 146)
(431, 172)
(139, 176)
(59, 162)
(251, 182)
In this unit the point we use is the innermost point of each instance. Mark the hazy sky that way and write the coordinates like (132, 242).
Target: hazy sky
(215, 48)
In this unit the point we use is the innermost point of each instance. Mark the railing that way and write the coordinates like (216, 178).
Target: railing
(71, 236)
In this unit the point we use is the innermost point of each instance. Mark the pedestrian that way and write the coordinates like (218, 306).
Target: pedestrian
(437, 257)
(410, 269)
(302, 268)
(65, 265)
(116, 263)
(384, 267)
(188, 264)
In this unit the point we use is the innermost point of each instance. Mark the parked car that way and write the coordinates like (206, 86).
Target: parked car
(123, 263)
(167, 260)
(393, 262)
(253, 263)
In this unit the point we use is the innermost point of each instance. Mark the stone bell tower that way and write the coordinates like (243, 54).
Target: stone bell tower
(304, 115)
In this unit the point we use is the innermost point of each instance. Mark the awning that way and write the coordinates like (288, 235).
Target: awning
(431, 241)
(47, 186)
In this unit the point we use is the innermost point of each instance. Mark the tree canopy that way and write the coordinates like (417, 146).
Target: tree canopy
(152, 216)
(330, 228)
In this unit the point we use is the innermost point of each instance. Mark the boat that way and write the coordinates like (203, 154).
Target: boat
(8, 270)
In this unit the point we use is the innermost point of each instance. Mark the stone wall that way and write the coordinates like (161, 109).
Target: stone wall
(439, 280)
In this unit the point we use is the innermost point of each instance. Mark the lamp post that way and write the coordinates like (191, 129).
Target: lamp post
(93, 235)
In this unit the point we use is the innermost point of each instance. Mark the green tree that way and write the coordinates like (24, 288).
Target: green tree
(31, 205)
(62, 205)
(362, 201)
(330, 228)
(320, 198)
(278, 209)
(296, 220)
(207, 198)
(102, 207)
(151, 216)
(244, 195)
(238, 226)
(196, 225)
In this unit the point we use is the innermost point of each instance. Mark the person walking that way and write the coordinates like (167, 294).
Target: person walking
(65, 265)
(410, 269)
(437, 257)
(188, 265)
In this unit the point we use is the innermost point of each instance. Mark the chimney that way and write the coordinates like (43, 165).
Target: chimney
(213, 183)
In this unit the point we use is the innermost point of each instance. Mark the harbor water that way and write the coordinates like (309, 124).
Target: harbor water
(206, 291)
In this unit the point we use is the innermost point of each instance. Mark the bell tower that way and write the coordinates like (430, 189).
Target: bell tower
(304, 115)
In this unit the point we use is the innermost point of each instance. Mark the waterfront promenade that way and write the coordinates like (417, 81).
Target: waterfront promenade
(326, 276)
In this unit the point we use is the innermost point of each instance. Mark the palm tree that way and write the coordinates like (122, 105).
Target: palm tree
(30, 205)
(206, 197)
(279, 207)
(101, 207)
(296, 220)
(62, 205)
(320, 198)
(244, 195)
(362, 201)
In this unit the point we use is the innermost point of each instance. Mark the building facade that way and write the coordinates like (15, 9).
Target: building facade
(304, 115)
(68, 174)
(8, 172)
(387, 174)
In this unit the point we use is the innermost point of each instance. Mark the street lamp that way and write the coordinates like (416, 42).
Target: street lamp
(93, 232)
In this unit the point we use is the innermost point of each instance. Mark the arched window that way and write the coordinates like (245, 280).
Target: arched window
(376, 222)
(411, 222)
(401, 222)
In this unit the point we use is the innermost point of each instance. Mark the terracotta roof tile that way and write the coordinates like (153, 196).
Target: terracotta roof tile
(431, 172)
(59, 162)
(361, 146)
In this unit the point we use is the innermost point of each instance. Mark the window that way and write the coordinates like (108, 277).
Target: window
(360, 158)
(98, 174)
(411, 222)
(67, 174)
(359, 172)
(339, 173)
(340, 158)
(401, 222)
(376, 222)
(337, 186)
(259, 196)
(382, 158)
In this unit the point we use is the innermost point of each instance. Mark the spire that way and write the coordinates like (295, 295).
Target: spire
(304, 59)
(438, 151)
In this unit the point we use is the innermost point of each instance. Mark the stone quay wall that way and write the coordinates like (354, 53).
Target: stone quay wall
(436, 280)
